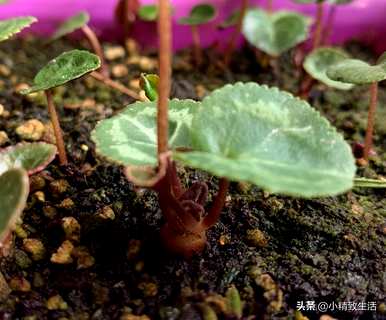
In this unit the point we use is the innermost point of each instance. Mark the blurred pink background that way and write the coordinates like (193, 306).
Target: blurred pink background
(362, 19)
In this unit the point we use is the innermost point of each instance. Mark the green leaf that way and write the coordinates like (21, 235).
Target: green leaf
(200, 14)
(357, 72)
(247, 132)
(319, 60)
(234, 303)
(14, 189)
(129, 138)
(68, 66)
(277, 32)
(148, 12)
(12, 26)
(33, 157)
(149, 83)
(4, 1)
(231, 20)
(369, 183)
(71, 24)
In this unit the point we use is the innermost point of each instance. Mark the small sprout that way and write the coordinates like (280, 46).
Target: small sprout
(359, 72)
(275, 33)
(12, 26)
(319, 60)
(75, 22)
(148, 12)
(149, 83)
(278, 142)
(234, 303)
(33, 157)
(64, 68)
(13, 197)
(199, 15)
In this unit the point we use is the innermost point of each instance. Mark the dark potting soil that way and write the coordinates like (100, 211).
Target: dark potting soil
(279, 252)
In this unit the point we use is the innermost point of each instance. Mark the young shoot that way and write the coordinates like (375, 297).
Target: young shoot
(316, 65)
(16, 163)
(358, 72)
(199, 15)
(149, 84)
(148, 12)
(12, 26)
(275, 33)
(64, 68)
(277, 142)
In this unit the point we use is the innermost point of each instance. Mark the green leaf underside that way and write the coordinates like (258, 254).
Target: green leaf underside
(68, 66)
(318, 61)
(357, 72)
(148, 12)
(277, 32)
(267, 137)
(369, 183)
(199, 14)
(13, 196)
(71, 24)
(129, 138)
(32, 157)
(12, 26)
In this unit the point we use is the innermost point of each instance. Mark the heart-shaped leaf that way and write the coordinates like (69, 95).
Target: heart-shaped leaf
(14, 190)
(148, 12)
(129, 138)
(275, 33)
(247, 132)
(71, 24)
(32, 157)
(319, 60)
(200, 14)
(68, 66)
(12, 26)
(357, 72)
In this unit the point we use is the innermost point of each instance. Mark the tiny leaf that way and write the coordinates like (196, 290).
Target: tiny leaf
(148, 12)
(319, 60)
(129, 138)
(234, 303)
(275, 33)
(13, 196)
(149, 83)
(33, 157)
(357, 72)
(12, 26)
(68, 66)
(247, 132)
(71, 24)
(200, 14)
(231, 20)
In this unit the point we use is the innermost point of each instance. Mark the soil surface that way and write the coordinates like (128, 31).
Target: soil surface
(278, 252)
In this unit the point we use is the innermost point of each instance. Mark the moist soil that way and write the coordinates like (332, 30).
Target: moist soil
(277, 251)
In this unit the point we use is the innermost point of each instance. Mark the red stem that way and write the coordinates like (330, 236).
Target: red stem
(165, 52)
(96, 47)
(57, 130)
(218, 203)
(269, 6)
(236, 33)
(329, 25)
(370, 120)
(319, 26)
(196, 45)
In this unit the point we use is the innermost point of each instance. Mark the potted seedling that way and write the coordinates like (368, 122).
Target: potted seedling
(242, 132)
(16, 164)
(64, 68)
(199, 15)
(316, 65)
(12, 26)
(236, 19)
(275, 33)
(358, 72)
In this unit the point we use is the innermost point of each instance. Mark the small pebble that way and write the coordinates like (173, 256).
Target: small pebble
(22, 259)
(49, 212)
(149, 289)
(20, 284)
(84, 258)
(256, 238)
(67, 204)
(71, 228)
(3, 138)
(36, 183)
(35, 247)
(1, 109)
(59, 187)
(119, 71)
(113, 53)
(40, 196)
(63, 254)
(106, 213)
(5, 290)
(4, 70)
(31, 130)
(56, 303)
